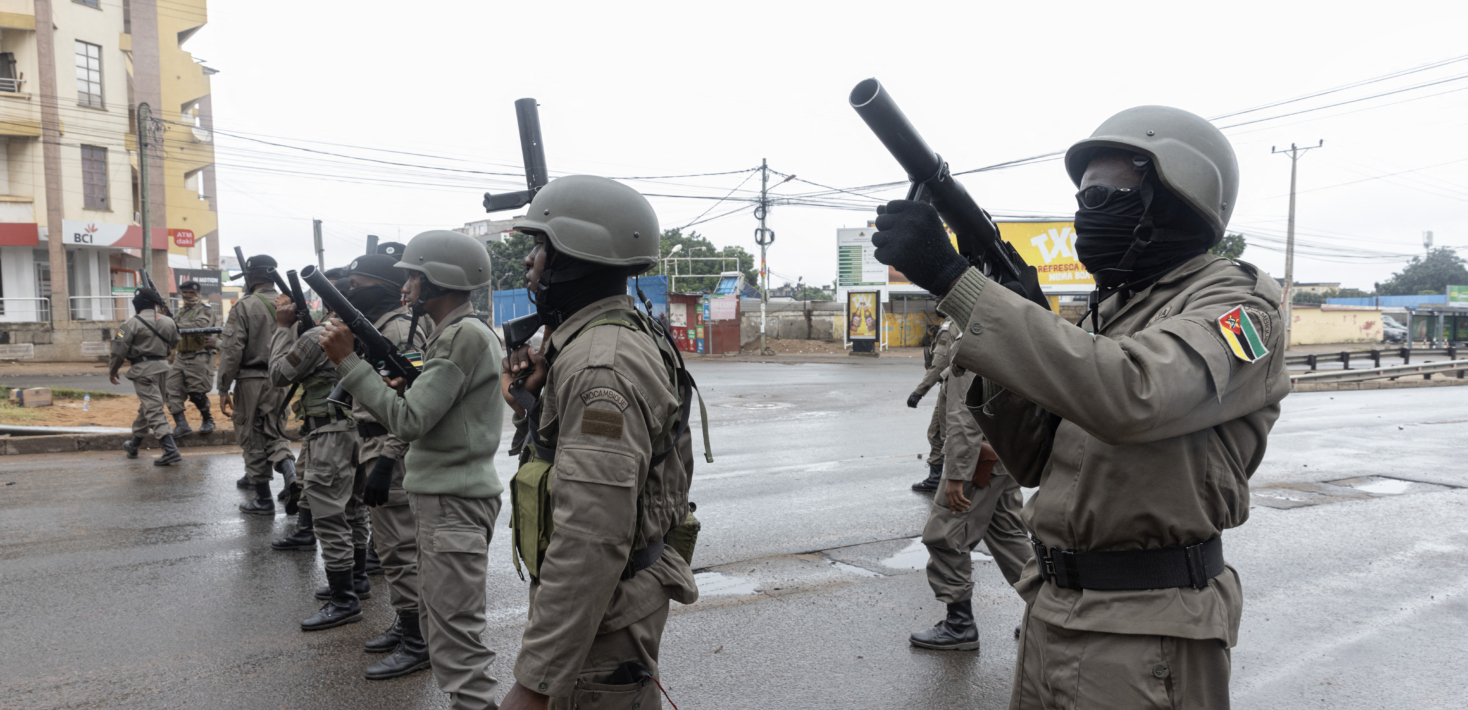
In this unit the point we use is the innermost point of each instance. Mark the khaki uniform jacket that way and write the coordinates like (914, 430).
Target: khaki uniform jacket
(608, 396)
(295, 359)
(1143, 436)
(961, 446)
(134, 340)
(244, 346)
(199, 316)
(941, 356)
(453, 414)
(394, 326)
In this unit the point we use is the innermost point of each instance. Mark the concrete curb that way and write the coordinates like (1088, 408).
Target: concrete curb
(63, 443)
(1382, 384)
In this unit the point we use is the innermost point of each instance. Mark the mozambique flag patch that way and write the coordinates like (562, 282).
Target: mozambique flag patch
(1242, 338)
(415, 357)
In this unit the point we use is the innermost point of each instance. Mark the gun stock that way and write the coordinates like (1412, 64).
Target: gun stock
(304, 321)
(978, 237)
(533, 149)
(381, 354)
(147, 281)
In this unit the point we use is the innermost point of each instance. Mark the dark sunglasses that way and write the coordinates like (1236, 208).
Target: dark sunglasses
(1097, 196)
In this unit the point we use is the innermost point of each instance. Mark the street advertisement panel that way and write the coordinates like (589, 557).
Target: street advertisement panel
(862, 315)
(209, 279)
(856, 261)
(1458, 295)
(1047, 246)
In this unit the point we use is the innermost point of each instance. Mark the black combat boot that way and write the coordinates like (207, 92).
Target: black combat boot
(930, 484)
(389, 639)
(170, 452)
(304, 538)
(286, 467)
(374, 565)
(955, 633)
(203, 404)
(182, 429)
(342, 605)
(131, 447)
(361, 586)
(410, 656)
(261, 503)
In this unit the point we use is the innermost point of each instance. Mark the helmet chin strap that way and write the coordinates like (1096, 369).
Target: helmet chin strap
(427, 291)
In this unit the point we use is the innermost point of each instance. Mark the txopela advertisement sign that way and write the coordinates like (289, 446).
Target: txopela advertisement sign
(1050, 247)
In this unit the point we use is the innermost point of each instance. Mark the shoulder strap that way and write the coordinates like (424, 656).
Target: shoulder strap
(267, 303)
(151, 329)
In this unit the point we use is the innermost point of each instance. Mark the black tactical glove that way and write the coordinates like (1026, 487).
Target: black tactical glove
(910, 238)
(379, 481)
(914, 398)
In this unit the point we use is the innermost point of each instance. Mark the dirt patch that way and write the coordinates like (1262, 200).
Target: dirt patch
(52, 369)
(103, 411)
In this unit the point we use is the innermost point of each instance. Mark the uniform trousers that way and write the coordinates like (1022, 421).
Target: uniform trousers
(453, 556)
(191, 372)
(259, 426)
(333, 484)
(395, 536)
(938, 429)
(992, 516)
(148, 381)
(639, 642)
(1065, 669)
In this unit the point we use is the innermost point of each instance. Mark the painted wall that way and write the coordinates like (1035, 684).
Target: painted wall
(1335, 324)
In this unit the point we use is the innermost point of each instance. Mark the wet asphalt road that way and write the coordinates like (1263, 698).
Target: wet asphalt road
(123, 585)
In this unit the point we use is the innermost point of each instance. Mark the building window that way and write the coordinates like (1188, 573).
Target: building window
(94, 177)
(89, 74)
(90, 3)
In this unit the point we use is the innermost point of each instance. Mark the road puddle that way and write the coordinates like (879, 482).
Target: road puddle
(915, 556)
(720, 584)
(861, 571)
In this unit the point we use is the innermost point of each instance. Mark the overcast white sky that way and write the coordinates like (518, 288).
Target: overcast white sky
(652, 89)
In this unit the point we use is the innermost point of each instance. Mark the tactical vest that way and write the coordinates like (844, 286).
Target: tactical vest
(191, 343)
(313, 401)
(530, 510)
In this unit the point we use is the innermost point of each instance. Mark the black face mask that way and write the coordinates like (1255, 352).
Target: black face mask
(374, 301)
(1104, 235)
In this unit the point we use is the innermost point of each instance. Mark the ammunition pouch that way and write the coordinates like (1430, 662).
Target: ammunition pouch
(530, 514)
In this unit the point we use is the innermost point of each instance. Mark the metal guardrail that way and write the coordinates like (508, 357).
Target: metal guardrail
(1375, 356)
(100, 308)
(25, 310)
(1427, 370)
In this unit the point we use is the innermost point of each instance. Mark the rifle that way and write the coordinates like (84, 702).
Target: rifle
(304, 322)
(377, 350)
(533, 151)
(216, 330)
(239, 255)
(978, 238)
(148, 284)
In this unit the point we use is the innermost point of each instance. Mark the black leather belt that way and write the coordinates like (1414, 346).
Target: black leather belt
(371, 430)
(318, 422)
(1162, 568)
(642, 559)
(143, 358)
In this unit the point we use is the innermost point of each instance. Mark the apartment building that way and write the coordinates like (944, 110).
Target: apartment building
(72, 74)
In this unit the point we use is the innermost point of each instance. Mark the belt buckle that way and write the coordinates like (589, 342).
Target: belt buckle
(1047, 565)
(1197, 571)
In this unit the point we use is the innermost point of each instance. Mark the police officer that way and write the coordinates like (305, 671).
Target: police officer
(979, 501)
(1141, 437)
(614, 426)
(451, 418)
(144, 341)
(392, 249)
(255, 404)
(375, 290)
(332, 480)
(937, 371)
(192, 375)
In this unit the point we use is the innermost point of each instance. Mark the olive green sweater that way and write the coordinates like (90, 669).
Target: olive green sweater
(452, 415)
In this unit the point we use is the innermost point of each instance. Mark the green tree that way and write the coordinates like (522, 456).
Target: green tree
(1427, 275)
(695, 246)
(1231, 246)
(507, 260)
(813, 293)
(1306, 298)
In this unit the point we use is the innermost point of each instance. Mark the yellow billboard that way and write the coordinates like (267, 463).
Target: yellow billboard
(1050, 247)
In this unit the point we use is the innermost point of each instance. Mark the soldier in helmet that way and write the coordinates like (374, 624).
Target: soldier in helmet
(255, 403)
(609, 457)
(937, 373)
(144, 341)
(192, 375)
(1141, 436)
(451, 419)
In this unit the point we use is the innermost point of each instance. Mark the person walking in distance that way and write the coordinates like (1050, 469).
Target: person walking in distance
(192, 375)
(936, 372)
(144, 341)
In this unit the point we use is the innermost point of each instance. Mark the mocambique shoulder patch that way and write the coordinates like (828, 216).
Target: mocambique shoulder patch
(604, 394)
(1238, 332)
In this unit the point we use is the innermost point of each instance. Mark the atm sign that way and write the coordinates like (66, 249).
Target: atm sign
(182, 237)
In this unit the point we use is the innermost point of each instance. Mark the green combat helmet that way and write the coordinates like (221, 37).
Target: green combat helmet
(1189, 154)
(597, 220)
(448, 260)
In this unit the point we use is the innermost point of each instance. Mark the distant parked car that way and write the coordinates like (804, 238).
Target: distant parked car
(1392, 330)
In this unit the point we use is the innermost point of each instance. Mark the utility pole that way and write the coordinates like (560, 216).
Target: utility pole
(1294, 153)
(320, 251)
(763, 237)
(145, 115)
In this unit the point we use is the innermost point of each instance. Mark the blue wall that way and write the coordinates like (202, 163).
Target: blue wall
(516, 302)
(1389, 301)
(511, 304)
